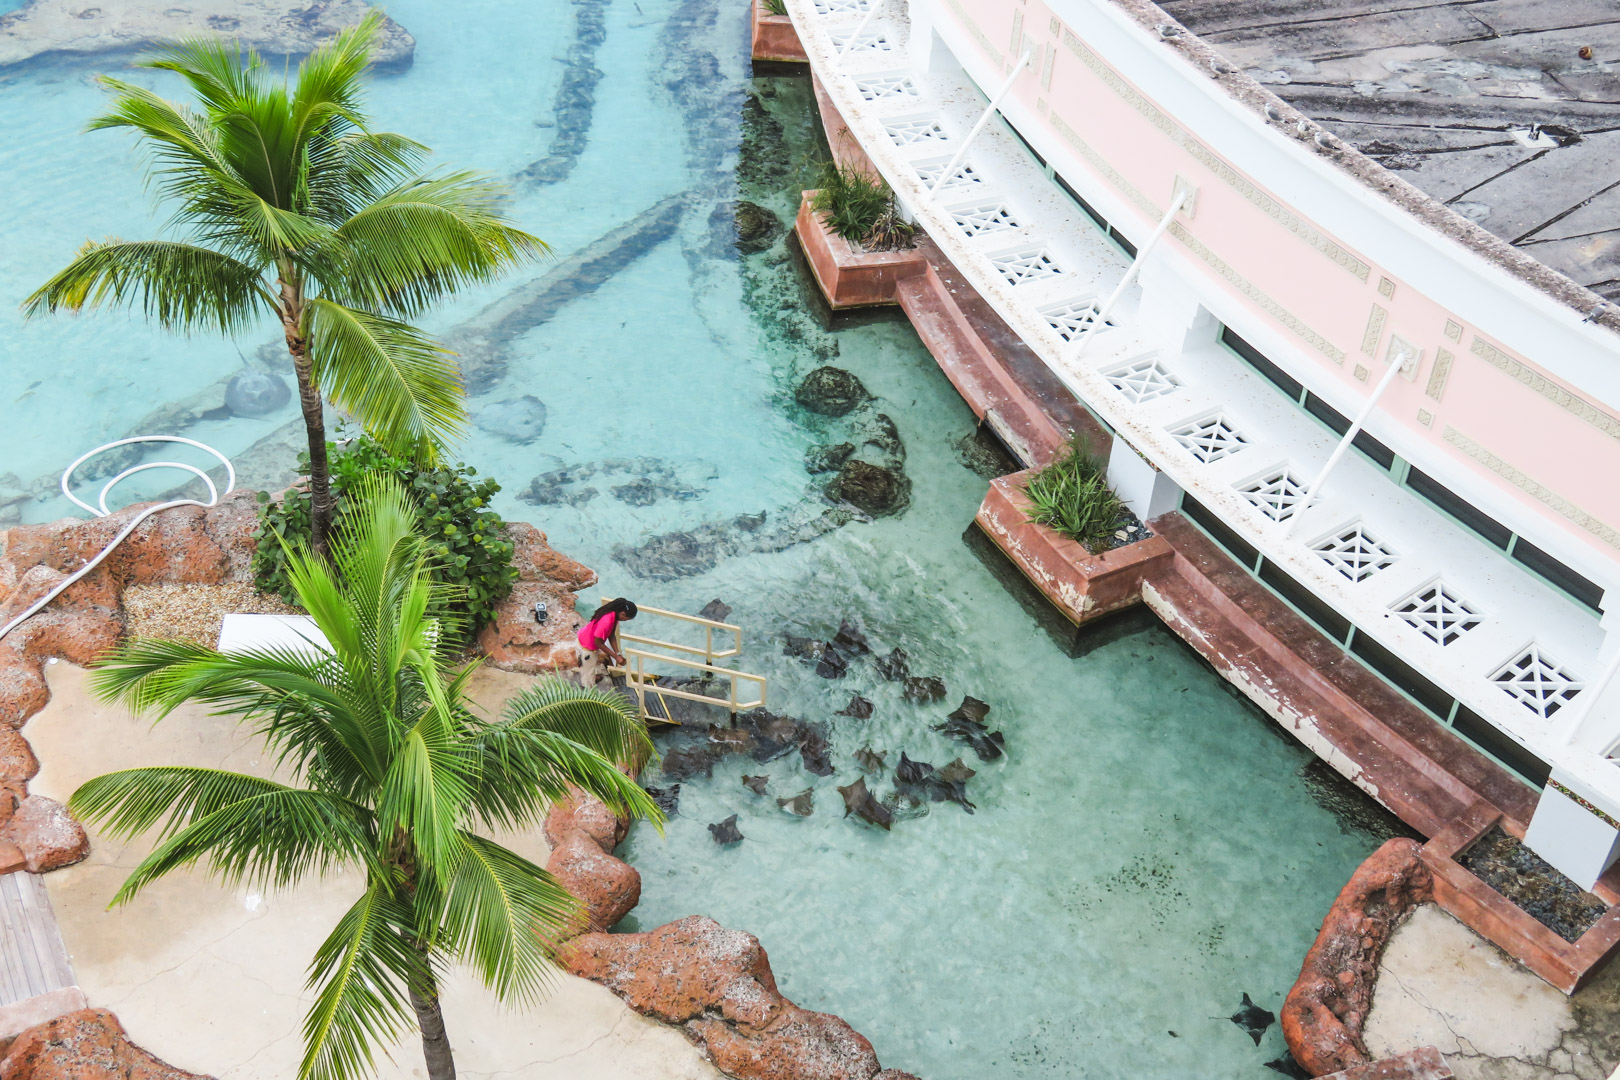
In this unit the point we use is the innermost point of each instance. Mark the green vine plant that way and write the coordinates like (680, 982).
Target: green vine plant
(1072, 496)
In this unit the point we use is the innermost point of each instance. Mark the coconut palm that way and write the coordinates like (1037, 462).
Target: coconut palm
(289, 205)
(388, 772)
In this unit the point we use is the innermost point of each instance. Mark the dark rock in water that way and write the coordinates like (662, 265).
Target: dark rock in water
(685, 762)
(802, 804)
(825, 459)
(912, 772)
(726, 832)
(882, 435)
(814, 751)
(756, 784)
(869, 759)
(517, 420)
(925, 688)
(667, 798)
(971, 709)
(639, 492)
(716, 610)
(1253, 1019)
(869, 488)
(956, 772)
(859, 801)
(256, 393)
(1288, 1067)
(858, 707)
(982, 453)
(802, 647)
(757, 228)
(894, 667)
(749, 522)
(831, 664)
(850, 640)
(831, 391)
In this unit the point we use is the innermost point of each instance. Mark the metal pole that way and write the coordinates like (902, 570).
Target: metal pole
(984, 118)
(1315, 485)
(1101, 318)
(871, 10)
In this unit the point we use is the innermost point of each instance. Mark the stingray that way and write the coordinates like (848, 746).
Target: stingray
(971, 709)
(925, 688)
(774, 735)
(987, 744)
(912, 772)
(802, 647)
(685, 762)
(859, 801)
(667, 798)
(858, 707)
(802, 804)
(732, 740)
(716, 610)
(895, 666)
(948, 791)
(956, 773)
(725, 832)
(869, 759)
(814, 751)
(756, 784)
(832, 663)
(850, 640)
(1252, 1019)
(1288, 1067)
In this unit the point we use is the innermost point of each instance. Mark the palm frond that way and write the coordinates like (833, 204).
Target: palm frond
(218, 70)
(424, 795)
(361, 974)
(180, 286)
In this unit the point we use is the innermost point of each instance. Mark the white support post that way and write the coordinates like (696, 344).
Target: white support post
(1396, 366)
(871, 10)
(984, 118)
(1100, 319)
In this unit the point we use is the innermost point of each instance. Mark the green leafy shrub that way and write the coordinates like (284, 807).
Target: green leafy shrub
(466, 540)
(776, 7)
(1072, 496)
(859, 207)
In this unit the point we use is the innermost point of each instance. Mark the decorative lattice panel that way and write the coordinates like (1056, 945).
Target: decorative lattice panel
(1354, 552)
(1210, 439)
(894, 85)
(1537, 682)
(965, 176)
(984, 218)
(870, 41)
(1142, 380)
(1276, 494)
(1435, 612)
(842, 7)
(915, 132)
(1025, 265)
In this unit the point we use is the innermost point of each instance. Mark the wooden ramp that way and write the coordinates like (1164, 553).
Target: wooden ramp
(33, 960)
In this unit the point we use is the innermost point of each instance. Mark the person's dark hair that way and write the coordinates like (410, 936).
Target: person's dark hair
(621, 607)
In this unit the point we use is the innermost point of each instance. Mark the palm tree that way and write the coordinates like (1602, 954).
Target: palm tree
(391, 772)
(289, 205)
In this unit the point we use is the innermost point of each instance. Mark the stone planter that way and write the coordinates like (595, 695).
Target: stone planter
(1083, 586)
(774, 37)
(850, 278)
(1566, 965)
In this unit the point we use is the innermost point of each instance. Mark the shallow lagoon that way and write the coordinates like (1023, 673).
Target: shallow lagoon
(1149, 849)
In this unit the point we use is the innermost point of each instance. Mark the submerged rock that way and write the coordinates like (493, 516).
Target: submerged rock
(829, 458)
(831, 391)
(871, 489)
(256, 393)
(756, 228)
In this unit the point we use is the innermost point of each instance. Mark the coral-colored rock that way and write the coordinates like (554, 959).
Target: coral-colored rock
(23, 691)
(608, 887)
(86, 1045)
(718, 983)
(535, 559)
(1322, 1016)
(170, 546)
(17, 760)
(47, 834)
(514, 640)
(581, 813)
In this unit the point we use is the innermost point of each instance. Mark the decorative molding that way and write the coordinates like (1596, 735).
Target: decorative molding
(978, 35)
(1386, 288)
(1040, 106)
(1374, 331)
(1605, 422)
(1017, 30)
(1425, 417)
(1361, 373)
(1437, 374)
(1453, 330)
(1237, 181)
(1583, 804)
(1047, 64)
(1054, 27)
(1531, 487)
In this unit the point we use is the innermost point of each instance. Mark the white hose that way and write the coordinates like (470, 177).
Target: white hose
(100, 510)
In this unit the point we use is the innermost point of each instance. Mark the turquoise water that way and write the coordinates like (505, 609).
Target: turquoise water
(1148, 850)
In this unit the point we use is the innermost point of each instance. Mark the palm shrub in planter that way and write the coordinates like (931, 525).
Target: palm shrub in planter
(467, 549)
(1072, 497)
(775, 7)
(860, 207)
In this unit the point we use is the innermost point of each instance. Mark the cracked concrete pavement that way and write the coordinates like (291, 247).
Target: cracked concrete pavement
(212, 979)
(1440, 984)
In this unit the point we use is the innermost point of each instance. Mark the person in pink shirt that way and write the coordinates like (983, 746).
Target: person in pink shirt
(600, 632)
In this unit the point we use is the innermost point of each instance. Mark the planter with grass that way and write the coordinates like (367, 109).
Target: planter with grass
(774, 37)
(1072, 537)
(857, 244)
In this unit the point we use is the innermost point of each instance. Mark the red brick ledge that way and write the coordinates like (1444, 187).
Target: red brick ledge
(849, 278)
(774, 38)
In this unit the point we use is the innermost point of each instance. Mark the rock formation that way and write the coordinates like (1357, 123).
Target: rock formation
(515, 640)
(86, 1045)
(1323, 1014)
(274, 27)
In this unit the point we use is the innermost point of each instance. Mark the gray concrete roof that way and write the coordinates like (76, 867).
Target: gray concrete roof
(1487, 105)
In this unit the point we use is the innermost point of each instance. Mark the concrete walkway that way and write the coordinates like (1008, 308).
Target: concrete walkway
(211, 979)
(1440, 984)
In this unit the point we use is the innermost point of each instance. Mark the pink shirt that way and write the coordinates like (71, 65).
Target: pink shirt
(598, 630)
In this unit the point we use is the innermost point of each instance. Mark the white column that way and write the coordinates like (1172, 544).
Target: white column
(1169, 316)
(1146, 490)
(1574, 828)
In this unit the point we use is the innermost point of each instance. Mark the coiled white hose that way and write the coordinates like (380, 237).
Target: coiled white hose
(100, 510)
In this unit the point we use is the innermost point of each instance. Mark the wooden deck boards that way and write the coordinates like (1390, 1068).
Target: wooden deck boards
(33, 960)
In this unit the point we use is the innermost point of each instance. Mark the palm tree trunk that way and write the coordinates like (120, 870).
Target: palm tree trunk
(309, 401)
(435, 1043)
